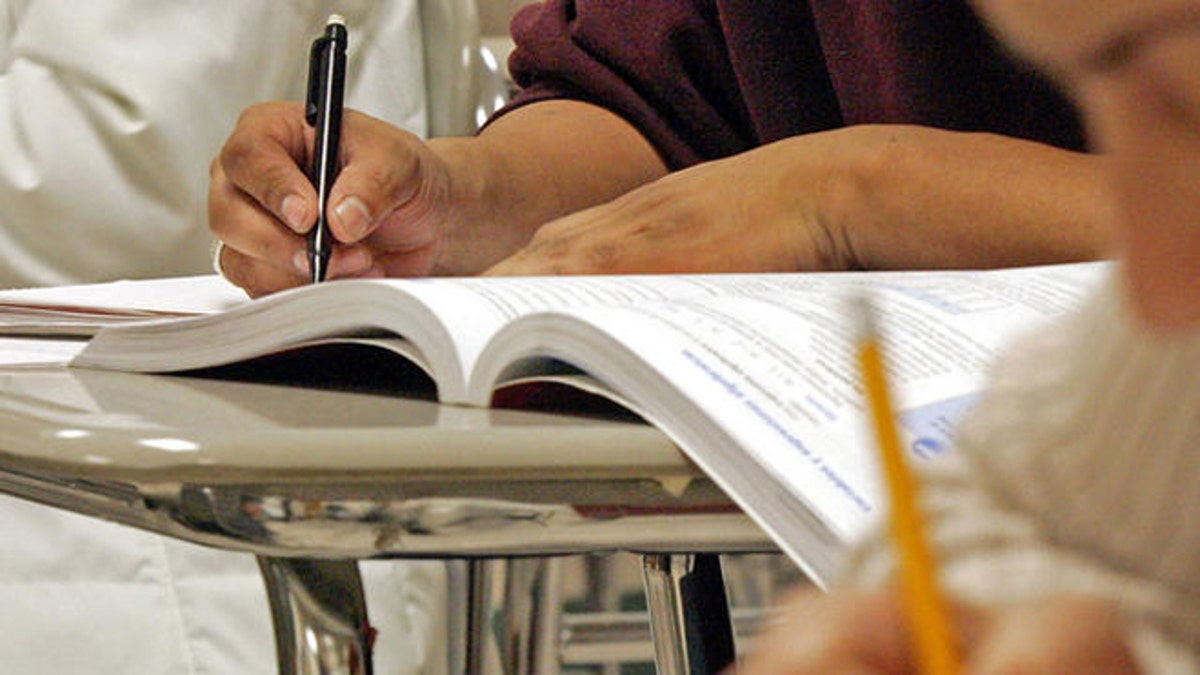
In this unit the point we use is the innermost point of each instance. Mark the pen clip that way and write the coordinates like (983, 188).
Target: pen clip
(320, 46)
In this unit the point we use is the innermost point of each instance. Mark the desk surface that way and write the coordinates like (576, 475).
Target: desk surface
(292, 471)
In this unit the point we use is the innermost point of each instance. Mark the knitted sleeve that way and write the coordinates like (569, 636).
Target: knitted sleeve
(1076, 474)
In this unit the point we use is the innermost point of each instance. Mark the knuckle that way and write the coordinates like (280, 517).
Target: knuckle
(222, 205)
(380, 178)
(275, 250)
(548, 245)
(604, 256)
(233, 267)
(236, 157)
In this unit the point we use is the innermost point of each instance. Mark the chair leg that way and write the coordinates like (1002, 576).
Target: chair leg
(320, 616)
(689, 614)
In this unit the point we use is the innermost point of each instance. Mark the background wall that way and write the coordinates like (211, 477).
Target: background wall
(494, 15)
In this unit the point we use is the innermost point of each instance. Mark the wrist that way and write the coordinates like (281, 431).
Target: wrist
(913, 197)
(475, 228)
(855, 194)
(829, 179)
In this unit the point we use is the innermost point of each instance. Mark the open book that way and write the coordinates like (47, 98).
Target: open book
(752, 376)
(80, 310)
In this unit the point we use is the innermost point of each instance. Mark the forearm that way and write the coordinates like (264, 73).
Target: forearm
(533, 165)
(915, 197)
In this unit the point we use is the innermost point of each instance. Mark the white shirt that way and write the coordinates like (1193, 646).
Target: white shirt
(1079, 472)
(111, 112)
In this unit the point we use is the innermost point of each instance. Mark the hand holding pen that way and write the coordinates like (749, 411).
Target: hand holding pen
(323, 110)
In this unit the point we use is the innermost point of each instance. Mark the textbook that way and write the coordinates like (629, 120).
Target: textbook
(78, 311)
(753, 376)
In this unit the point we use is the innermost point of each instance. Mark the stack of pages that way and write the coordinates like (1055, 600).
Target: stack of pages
(753, 376)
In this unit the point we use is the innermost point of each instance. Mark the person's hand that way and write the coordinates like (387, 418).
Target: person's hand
(387, 206)
(866, 634)
(888, 196)
(758, 211)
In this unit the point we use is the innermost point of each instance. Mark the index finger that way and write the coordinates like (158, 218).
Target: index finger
(263, 158)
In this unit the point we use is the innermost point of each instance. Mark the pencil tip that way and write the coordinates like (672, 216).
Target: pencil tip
(862, 314)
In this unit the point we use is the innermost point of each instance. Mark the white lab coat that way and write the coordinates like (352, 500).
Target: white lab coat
(110, 113)
(79, 596)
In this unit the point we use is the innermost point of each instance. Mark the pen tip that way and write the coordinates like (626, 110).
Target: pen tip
(336, 19)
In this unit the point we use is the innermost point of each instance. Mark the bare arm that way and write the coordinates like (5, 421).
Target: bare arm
(533, 165)
(915, 197)
(879, 197)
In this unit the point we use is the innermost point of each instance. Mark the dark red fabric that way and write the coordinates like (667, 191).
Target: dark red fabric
(706, 79)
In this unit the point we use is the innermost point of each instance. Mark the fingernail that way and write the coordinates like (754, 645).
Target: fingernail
(354, 218)
(294, 213)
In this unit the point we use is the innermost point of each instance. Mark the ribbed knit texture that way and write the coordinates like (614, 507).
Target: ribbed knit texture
(1080, 472)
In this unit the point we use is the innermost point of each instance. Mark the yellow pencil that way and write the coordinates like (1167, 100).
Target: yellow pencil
(928, 618)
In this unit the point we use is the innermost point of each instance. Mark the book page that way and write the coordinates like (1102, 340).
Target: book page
(750, 374)
(38, 351)
(81, 310)
(447, 322)
(762, 391)
(473, 309)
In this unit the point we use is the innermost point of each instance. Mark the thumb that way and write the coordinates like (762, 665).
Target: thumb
(382, 171)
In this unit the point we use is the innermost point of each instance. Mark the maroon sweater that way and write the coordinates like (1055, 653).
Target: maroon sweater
(704, 79)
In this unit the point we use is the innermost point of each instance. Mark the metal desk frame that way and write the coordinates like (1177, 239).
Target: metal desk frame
(311, 481)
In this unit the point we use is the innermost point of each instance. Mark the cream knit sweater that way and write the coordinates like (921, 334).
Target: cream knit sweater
(1080, 472)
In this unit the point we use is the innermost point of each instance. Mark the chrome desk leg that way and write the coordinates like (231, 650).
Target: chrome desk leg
(602, 594)
(320, 616)
(470, 610)
(689, 614)
(532, 620)
(528, 617)
(458, 620)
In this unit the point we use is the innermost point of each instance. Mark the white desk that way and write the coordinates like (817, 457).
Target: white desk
(311, 481)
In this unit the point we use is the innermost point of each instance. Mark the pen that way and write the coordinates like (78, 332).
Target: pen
(926, 609)
(326, 88)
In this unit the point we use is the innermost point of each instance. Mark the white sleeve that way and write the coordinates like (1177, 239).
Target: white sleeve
(993, 554)
(1075, 474)
(110, 113)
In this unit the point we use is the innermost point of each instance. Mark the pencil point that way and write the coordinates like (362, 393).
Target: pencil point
(862, 314)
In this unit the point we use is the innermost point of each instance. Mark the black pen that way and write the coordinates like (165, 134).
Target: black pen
(326, 88)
